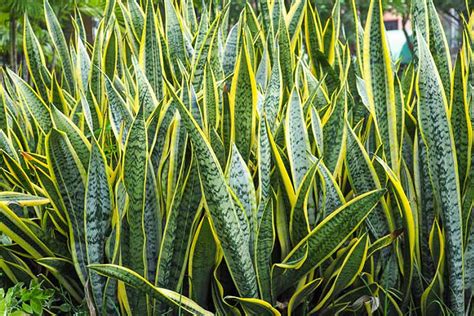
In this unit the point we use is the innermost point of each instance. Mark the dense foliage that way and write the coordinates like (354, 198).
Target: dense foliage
(12, 13)
(184, 165)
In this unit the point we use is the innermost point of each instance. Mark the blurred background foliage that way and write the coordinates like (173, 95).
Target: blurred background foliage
(11, 23)
(12, 12)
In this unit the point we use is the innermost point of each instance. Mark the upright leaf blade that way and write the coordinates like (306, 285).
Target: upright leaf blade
(98, 211)
(297, 141)
(378, 76)
(151, 58)
(134, 179)
(243, 101)
(363, 177)
(70, 175)
(59, 42)
(225, 221)
(437, 134)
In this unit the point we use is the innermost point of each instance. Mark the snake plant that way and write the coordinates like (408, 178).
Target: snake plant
(181, 164)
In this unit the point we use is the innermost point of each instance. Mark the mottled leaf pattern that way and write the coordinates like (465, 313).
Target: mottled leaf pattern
(437, 134)
(186, 157)
(98, 211)
(344, 220)
(222, 209)
(378, 77)
(134, 178)
(297, 140)
(69, 175)
(243, 102)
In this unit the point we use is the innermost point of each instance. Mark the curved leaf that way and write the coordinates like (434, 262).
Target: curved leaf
(325, 239)
(133, 279)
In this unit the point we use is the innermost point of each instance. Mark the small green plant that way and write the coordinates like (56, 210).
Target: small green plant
(19, 300)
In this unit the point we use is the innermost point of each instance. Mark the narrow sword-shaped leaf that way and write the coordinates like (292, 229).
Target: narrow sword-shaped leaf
(35, 59)
(427, 208)
(274, 93)
(202, 257)
(334, 133)
(210, 99)
(209, 38)
(264, 157)
(299, 221)
(363, 177)
(134, 178)
(263, 250)
(379, 82)
(332, 196)
(137, 16)
(3, 113)
(243, 102)
(284, 50)
(178, 229)
(6, 146)
(69, 173)
(95, 89)
(439, 47)
(218, 147)
(231, 49)
(120, 116)
(83, 65)
(241, 182)
(174, 36)
(150, 52)
(350, 268)
(59, 42)
(297, 141)
(225, 221)
(437, 134)
(98, 211)
(151, 222)
(317, 129)
(302, 294)
(144, 96)
(12, 226)
(33, 102)
(460, 120)
(285, 177)
(262, 74)
(434, 289)
(22, 199)
(78, 141)
(294, 18)
(254, 306)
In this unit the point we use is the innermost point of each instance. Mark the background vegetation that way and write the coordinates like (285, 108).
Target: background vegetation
(12, 12)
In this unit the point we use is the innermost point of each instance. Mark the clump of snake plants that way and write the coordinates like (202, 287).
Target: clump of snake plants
(181, 164)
